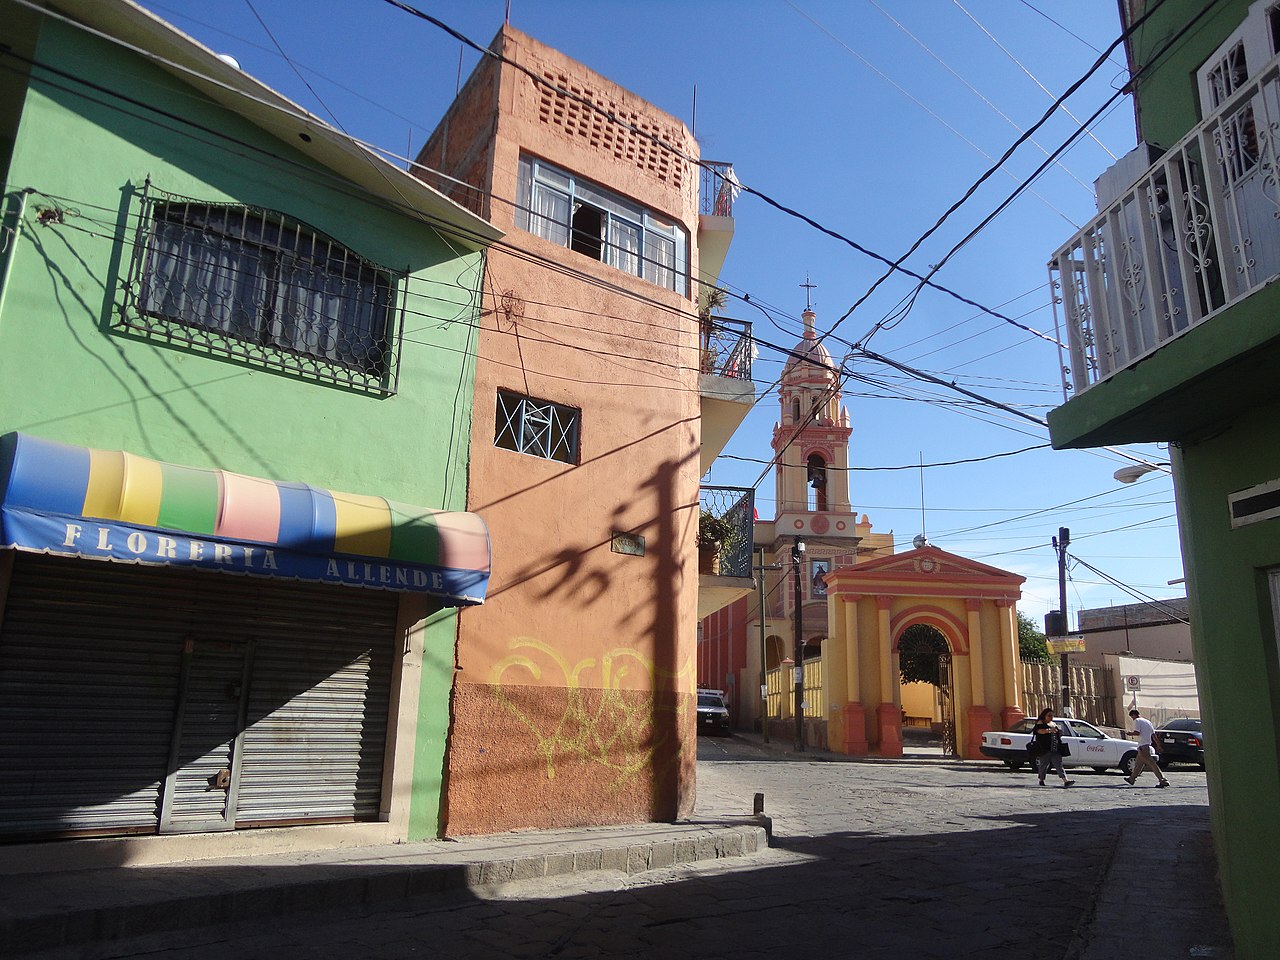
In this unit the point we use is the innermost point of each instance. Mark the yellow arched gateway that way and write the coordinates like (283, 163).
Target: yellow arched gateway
(870, 605)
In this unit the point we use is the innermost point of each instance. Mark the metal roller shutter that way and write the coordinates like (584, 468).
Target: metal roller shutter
(108, 671)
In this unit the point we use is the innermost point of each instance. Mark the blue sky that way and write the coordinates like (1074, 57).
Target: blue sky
(872, 118)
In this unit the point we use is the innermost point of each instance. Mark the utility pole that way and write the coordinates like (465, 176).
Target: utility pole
(764, 673)
(1060, 543)
(797, 554)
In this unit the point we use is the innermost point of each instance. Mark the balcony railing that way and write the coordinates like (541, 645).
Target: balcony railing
(727, 348)
(1198, 232)
(719, 189)
(737, 507)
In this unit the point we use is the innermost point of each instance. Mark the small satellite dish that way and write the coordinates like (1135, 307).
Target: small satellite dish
(920, 541)
(229, 60)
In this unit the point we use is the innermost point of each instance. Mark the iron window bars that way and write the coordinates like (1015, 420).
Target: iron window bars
(539, 428)
(256, 285)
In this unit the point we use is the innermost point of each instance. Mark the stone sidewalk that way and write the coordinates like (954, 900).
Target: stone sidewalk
(956, 843)
(42, 912)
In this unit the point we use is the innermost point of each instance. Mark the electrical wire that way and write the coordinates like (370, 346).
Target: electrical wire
(986, 175)
(1165, 46)
(911, 466)
(1031, 76)
(1133, 592)
(178, 119)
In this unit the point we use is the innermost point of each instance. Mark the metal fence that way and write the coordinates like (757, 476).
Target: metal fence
(1093, 692)
(719, 188)
(735, 506)
(728, 349)
(1197, 232)
(781, 685)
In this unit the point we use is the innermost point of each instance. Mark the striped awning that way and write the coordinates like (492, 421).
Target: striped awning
(113, 505)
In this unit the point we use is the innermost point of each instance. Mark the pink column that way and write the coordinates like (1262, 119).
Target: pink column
(979, 722)
(855, 730)
(890, 717)
(1010, 716)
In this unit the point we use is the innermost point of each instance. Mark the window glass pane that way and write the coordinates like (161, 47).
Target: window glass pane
(624, 246)
(609, 201)
(660, 260)
(658, 224)
(550, 175)
(1083, 729)
(549, 217)
(524, 194)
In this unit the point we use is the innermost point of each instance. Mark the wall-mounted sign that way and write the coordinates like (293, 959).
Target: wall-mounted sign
(1065, 644)
(1254, 503)
(1133, 682)
(631, 544)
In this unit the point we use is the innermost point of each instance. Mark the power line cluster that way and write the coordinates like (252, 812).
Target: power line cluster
(185, 125)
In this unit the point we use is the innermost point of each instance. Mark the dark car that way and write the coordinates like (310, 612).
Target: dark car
(1181, 741)
(713, 715)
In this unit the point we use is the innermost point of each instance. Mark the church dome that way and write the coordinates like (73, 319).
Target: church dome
(809, 357)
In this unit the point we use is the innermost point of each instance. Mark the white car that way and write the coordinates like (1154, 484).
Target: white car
(1089, 746)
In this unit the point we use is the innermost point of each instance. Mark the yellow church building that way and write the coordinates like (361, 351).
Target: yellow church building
(840, 602)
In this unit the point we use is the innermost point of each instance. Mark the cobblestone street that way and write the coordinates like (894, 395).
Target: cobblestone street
(914, 858)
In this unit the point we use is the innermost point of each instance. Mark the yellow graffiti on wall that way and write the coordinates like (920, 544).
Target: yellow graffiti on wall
(616, 732)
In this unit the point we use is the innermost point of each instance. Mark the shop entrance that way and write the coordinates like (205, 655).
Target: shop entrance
(204, 765)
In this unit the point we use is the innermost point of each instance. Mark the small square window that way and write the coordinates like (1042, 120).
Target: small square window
(539, 428)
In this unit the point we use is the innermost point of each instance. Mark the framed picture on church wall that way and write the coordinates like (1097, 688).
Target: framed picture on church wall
(818, 588)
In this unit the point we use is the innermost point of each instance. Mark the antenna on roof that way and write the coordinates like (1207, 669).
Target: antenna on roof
(923, 532)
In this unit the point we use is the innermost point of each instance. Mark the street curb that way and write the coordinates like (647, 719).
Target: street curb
(257, 895)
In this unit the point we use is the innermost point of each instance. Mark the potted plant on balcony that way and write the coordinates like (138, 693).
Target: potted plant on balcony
(713, 531)
(710, 299)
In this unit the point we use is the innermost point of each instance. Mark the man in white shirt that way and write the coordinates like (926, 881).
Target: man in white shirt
(1146, 759)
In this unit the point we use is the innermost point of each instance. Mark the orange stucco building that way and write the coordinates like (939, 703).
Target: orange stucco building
(573, 694)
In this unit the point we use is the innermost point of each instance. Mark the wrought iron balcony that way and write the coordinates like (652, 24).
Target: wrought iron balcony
(719, 189)
(727, 519)
(727, 348)
(1198, 232)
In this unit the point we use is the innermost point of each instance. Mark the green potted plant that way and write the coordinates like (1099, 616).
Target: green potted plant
(713, 531)
(710, 299)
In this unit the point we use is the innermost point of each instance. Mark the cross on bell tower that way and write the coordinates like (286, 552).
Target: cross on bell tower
(808, 287)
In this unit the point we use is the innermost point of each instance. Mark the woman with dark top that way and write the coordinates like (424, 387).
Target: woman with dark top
(1047, 738)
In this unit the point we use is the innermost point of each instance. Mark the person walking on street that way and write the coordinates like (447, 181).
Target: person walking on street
(1049, 748)
(1146, 758)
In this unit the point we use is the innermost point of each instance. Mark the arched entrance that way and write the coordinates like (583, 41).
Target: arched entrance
(925, 670)
(775, 651)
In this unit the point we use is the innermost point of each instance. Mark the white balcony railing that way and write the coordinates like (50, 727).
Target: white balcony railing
(1199, 231)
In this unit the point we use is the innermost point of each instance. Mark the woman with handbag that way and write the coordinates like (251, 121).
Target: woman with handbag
(1046, 738)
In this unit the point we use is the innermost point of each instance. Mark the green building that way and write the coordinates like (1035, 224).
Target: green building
(236, 378)
(1170, 307)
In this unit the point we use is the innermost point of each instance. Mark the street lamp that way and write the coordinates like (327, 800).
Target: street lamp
(1132, 472)
(797, 555)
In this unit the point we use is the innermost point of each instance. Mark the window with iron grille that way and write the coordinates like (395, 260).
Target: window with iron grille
(564, 208)
(255, 284)
(537, 427)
